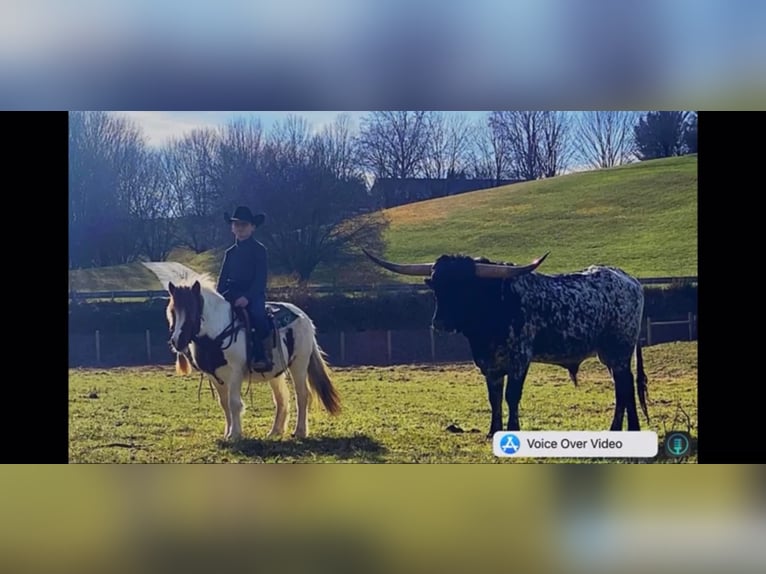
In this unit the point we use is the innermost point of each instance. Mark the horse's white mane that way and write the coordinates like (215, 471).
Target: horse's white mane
(206, 281)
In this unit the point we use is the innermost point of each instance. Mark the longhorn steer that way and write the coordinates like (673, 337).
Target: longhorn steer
(513, 316)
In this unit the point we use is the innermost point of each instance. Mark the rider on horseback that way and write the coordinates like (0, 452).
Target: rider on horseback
(242, 281)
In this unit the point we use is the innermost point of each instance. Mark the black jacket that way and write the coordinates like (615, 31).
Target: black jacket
(244, 271)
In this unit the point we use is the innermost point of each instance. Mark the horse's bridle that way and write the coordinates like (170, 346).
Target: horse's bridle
(230, 331)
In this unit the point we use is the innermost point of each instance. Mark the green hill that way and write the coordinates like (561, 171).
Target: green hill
(642, 217)
(127, 277)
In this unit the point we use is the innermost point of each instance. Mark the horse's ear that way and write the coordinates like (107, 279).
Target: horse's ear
(171, 288)
(196, 287)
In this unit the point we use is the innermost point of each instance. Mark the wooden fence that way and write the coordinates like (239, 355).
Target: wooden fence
(345, 348)
(331, 289)
(690, 322)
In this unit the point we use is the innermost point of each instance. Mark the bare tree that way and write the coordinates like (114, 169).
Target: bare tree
(393, 144)
(555, 150)
(318, 206)
(605, 138)
(340, 148)
(537, 141)
(237, 176)
(127, 244)
(447, 146)
(151, 209)
(290, 138)
(489, 156)
(104, 160)
(190, 169)
(520, 132)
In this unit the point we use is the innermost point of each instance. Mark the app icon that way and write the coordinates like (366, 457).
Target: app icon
(677, 443)
(510, 444)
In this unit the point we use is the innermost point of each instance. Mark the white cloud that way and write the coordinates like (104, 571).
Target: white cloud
(160, 127)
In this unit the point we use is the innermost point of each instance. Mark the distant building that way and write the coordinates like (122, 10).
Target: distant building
(390, 192)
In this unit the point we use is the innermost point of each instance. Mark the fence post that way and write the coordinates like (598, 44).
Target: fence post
(691, 325)
(433, 346)
(343, 347)
(648, 331)
(98, 346)
(388, 345)
(148, 346)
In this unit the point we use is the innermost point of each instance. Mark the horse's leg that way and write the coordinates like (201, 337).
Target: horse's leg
(223, 399)
(281, 395)
(235, 405)
(302, 397)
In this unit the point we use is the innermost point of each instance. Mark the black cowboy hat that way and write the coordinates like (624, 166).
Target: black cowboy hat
(243, 213)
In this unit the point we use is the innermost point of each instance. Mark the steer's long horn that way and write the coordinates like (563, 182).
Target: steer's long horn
(490, 271)
(405, 269)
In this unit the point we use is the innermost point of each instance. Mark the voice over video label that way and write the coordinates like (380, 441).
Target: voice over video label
(572, 444)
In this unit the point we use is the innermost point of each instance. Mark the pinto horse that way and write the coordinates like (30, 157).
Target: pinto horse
(206, 330)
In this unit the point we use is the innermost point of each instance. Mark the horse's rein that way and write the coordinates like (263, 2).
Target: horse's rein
(229, 331)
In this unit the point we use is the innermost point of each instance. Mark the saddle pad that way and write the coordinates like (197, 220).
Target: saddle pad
(282, 315)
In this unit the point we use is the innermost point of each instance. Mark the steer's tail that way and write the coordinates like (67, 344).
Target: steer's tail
(641, 380)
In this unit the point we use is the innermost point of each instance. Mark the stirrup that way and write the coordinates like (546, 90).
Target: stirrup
(265, 363)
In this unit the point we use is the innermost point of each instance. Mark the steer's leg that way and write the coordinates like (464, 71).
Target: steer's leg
(495, 390)
(619, 407)
(625, 385)
(513, 391)
(624, 388)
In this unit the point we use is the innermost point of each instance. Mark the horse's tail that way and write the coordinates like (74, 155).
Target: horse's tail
(182, 364)
(319, 379)
(641, 380)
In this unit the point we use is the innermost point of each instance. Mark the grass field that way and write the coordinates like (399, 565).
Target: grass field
(390, 414)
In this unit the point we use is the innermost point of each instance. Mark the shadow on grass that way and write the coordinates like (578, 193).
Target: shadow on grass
(360, 448)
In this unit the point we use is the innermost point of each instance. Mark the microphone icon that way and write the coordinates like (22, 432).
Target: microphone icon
(677, 444)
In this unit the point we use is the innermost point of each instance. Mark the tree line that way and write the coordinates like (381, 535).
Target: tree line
(129, 200)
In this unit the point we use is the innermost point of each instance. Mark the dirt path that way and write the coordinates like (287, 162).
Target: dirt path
(169, 271)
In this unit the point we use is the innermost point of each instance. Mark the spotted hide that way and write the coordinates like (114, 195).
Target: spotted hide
(513, 316)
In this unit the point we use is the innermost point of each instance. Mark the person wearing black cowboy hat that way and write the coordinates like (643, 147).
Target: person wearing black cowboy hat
(242, 280)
